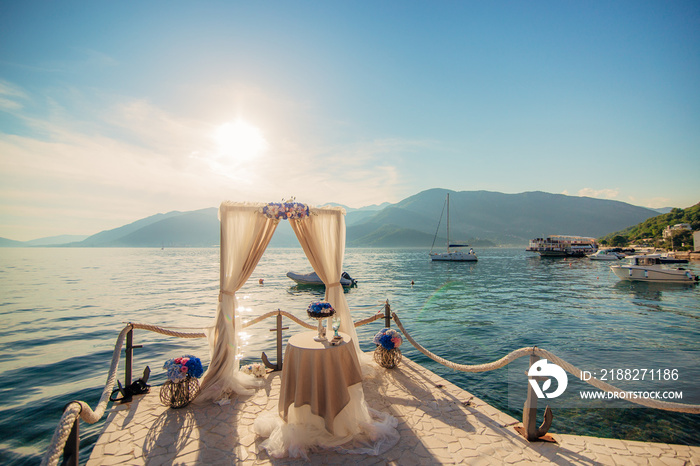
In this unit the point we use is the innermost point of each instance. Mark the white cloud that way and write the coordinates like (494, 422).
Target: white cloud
(11, 96)
(600, 193)
(654, 202)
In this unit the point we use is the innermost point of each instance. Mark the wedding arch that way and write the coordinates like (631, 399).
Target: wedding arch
(246, 231)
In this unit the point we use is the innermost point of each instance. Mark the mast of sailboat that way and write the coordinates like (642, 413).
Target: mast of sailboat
(448, 222)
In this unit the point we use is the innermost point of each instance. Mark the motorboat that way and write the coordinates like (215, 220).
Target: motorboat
(649, 268)
(605, 255)
(312, 278)
(454, 252)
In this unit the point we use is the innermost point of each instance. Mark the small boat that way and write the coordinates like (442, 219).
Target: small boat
(456, 255)
(605, 255)
(648, 268)
(313, 279)
(563, 246)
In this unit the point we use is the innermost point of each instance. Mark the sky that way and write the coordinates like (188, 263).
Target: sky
(114, 111)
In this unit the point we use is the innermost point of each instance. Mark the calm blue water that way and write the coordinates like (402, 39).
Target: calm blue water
(62, 309)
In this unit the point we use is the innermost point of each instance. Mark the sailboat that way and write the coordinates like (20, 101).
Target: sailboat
(451, 255)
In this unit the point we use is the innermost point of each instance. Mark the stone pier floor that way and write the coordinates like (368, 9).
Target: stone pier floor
(438, 422)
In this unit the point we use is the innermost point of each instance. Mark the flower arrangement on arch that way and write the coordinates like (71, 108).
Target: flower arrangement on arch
(185, 366)
(256, 369)
(388, 338)
(286, 210)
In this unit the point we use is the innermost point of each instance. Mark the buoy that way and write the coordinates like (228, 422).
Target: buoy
(411, 282)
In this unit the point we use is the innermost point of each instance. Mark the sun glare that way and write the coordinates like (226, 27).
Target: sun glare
(239, 140)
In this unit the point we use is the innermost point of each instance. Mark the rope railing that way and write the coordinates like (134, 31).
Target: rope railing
(165, 331)
(80, 410)
(297, 320)
(570, 368)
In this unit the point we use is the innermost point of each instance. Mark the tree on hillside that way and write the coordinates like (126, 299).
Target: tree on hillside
(654, 227)
(619, 240)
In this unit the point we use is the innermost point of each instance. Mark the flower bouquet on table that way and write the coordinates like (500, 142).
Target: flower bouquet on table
(319, 311)
(182, 385)
(387, 354)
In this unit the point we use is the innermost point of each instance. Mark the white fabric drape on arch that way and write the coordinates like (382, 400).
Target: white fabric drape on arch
(322, 237)
(245, 234)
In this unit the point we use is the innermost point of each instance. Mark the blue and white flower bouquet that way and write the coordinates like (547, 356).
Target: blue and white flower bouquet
(185, 366)
(388, 338)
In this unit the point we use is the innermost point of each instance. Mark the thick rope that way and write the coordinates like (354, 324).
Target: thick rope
(298, 320)
(606, 387)
(75, 408)
(573, 370)
(164, 331)
(156, 329)
(507, 359)
(260, 318)
(369, 320)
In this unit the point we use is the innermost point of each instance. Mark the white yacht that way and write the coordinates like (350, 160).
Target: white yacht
(454, 251)
(649, 268)
(605, 255)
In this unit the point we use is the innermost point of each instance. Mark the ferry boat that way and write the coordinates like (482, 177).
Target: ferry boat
(563, 246)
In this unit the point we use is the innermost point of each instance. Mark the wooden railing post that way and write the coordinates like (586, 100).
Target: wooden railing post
(72, 449)
(387, 314)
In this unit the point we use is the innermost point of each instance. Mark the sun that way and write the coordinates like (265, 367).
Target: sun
(239, 141)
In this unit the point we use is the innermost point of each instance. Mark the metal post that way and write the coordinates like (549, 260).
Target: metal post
(128, 361)
(279, 341)
(530, 430)
(530, 408)
(387, 314)
(278, 329)
(72, 448)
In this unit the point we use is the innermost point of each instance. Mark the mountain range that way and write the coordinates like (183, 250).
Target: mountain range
(480, 218)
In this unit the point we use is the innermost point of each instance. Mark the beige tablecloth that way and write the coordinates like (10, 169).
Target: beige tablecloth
(318, 374)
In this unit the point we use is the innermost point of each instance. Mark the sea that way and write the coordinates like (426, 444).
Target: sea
(61, 310)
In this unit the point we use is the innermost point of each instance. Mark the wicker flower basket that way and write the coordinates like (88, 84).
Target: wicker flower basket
(179, 394)
(388, 358)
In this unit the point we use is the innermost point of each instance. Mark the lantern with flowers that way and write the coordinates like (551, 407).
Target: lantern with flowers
(387, 354)
(182, 385)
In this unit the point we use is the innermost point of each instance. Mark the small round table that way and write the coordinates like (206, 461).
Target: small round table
(317, 374)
